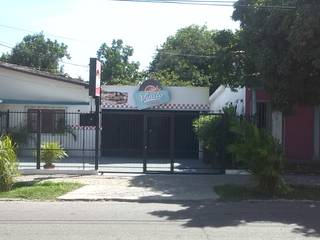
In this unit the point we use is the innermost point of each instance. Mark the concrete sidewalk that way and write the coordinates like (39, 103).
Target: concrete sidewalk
(154, 187)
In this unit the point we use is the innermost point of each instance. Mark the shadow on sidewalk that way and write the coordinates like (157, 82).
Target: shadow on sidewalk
(303, 214)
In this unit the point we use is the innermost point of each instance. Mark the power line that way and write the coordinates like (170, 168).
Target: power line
(75, 64)
(48, 34)
(171, 53)
(210, 3)
(69, 63)
(185, 55)
(5, 45)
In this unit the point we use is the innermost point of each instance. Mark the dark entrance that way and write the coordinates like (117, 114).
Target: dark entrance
(158, 142)
(149, 140)
(122, 134)
(158, 136)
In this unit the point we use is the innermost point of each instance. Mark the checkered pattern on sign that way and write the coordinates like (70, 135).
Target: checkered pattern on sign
(193, 107)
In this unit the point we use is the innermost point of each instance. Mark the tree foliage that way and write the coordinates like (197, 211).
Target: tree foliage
(283, 46)
(38, 52)
(200, 57)
(116, 66)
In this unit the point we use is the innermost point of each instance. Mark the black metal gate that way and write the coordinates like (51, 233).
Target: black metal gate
(150, 141)
(131, 141)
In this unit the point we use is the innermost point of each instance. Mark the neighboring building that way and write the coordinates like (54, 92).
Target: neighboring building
(24, 91)
(298, 132)
(23, 88)
(225, 96)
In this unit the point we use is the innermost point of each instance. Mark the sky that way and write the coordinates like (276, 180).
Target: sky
(84, 25)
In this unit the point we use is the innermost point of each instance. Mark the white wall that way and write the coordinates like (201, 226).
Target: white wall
(223, 96)
(24, 86)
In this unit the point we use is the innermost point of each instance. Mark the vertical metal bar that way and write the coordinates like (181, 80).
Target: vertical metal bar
(7, 121)
(145, 142)
(97, 137)
(172, 145)
(316, 132)
(38, 137)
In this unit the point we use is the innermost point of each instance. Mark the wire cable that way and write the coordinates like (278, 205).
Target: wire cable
(210, 3)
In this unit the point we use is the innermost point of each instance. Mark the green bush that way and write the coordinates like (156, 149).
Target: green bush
(206, 128)
(262, 154)
(51, 152)
(215, 134)
(8, 163)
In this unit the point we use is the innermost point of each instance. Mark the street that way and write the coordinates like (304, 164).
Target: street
(159, 220)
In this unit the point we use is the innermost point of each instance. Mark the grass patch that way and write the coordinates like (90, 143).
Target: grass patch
(40, 190)
(238, 193)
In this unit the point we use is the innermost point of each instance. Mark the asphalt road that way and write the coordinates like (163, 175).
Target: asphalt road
(173, 220)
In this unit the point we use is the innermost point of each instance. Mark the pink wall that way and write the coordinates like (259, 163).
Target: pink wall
(298, 128)
(298, 134)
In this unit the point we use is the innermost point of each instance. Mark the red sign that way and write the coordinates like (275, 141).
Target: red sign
(95, 78)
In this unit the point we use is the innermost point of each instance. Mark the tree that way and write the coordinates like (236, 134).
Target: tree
(283, 46)
(200, 57)
(116, 67)
(38, 52)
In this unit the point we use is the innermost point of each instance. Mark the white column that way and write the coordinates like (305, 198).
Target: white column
(316, 133)
(277, 125)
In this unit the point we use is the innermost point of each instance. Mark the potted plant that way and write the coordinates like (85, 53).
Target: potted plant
(51, 152)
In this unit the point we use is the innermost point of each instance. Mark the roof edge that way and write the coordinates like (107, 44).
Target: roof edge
(35, 72)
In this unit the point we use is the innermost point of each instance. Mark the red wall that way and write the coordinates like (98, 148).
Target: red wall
(298, 134)
(298, 128)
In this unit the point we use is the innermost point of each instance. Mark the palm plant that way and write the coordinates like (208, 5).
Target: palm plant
(51, 152)
(8, 163)
(262, 155)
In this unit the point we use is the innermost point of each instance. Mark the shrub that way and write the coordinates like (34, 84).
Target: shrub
(215, 134)
(205, 128)
(51, 152)
(262, 154)
(8, 163)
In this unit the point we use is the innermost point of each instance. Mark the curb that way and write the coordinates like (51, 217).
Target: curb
(135, 200)
(57, 172)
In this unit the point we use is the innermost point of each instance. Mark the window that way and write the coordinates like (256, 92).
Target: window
(263, 115)
(52, 120)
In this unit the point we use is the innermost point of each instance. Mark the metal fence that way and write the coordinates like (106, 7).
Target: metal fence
(74, 131)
